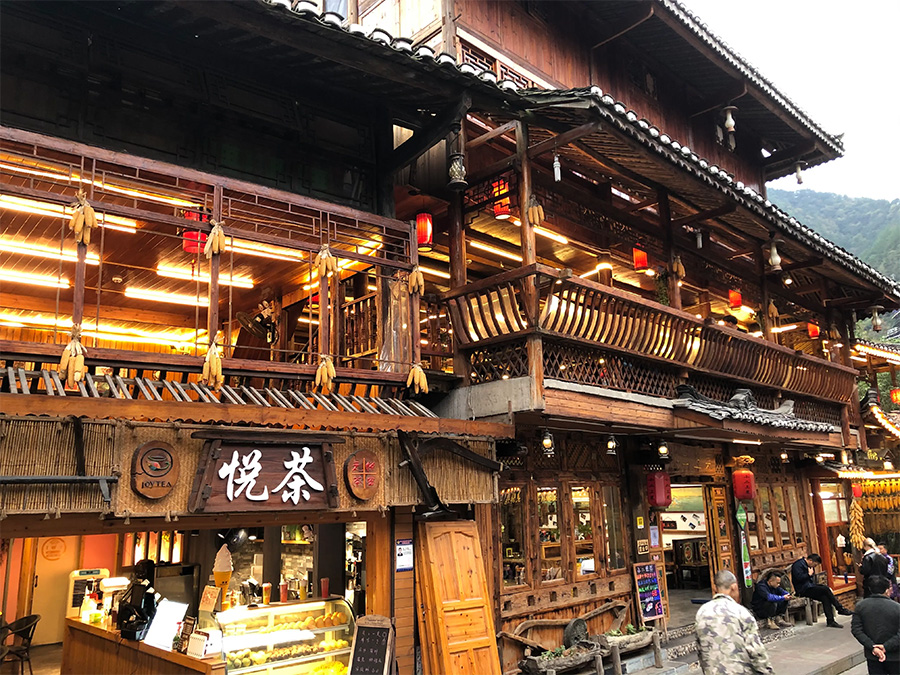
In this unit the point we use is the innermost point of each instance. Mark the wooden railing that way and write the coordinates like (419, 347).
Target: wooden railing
(542, 300)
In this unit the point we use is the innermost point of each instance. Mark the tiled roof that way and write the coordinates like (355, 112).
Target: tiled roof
(742, 408)
(701, 30)
(625, 119)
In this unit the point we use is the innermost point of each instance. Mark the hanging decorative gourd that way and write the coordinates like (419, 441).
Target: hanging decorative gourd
(659, 489)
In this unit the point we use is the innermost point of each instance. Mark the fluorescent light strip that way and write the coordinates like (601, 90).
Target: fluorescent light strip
(743, 441)
(39, 208)
(188, 274)
(544, 232)
(40, 251)
(303, 319)
(784, 329)
(33, 279)
(474, 243)
(103, 331)
(164, 296)
(433, 272)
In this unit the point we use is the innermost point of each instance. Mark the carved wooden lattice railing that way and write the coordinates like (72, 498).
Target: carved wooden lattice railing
(541, 300)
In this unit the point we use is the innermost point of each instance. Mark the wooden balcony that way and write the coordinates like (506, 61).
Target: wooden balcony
(594, 334)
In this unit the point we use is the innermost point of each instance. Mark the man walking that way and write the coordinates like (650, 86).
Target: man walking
(876, 625)
(805, 587)
(873, 565)
(727, 633)
(770, 600)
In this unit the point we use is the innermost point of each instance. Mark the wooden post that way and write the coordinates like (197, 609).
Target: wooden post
(415, 332)
(212, 324)
(336, 291)
(449, 43)
(353, 11)
(530, 295)
(456, 232)
(324, 316)
(703, 304)
(78, 290)
(764, 296)
(665, 221)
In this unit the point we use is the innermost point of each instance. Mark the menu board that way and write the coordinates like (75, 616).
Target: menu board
(373, 646)
(647, 582)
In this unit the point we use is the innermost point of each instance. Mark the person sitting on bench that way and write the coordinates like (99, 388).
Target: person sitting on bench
(805, 587)
(770, 600)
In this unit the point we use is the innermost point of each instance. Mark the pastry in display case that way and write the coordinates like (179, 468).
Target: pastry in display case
(311, 637)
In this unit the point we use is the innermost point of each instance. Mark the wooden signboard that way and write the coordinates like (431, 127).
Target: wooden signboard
(362, 471)
(243, 476)
(373, 646)
(649, 591)
(154, 469)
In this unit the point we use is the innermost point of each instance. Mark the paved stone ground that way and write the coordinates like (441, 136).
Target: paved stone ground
(816, 650)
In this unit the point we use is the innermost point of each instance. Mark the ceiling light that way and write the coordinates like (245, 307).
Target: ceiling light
(41, 208)
(550, 234)
(189, 274)
(650, 272)
(784, 457)
(611, 445)
(547, 444)
(474, 243)
(433, 272)
(34, 279)
(165, 296)
(744, 441)
(663, 449)
(785, 329)
(304, 319)
(787, 279)
(41, 251)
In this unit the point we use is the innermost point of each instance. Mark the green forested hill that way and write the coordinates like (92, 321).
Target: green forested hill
(868, 228)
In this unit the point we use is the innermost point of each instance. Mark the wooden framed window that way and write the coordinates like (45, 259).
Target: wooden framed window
(753, 538)
(513, 536)
(613, 528)
(584, 534)
(549, 534)
(780, 515)
(795, 514)
(766, 517)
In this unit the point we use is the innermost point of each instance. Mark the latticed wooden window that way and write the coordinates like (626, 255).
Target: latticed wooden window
(477, 57)
(507, 73)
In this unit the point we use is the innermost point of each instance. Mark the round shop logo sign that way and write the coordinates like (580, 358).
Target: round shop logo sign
(53, 548)
(154, 470)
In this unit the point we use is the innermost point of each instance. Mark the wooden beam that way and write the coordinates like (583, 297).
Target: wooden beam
(790, 154)
(640, 206)
(493, 169)
(803, 264)
(435, 130)
(725, 96)
(709, 214)
(563, 139)
(742, 253)
(490, 135)
(631, 18)
(46, 305)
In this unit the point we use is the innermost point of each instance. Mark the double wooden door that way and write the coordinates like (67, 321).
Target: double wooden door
(718, 528)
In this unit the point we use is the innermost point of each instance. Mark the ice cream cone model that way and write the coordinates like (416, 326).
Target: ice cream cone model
(223, 568)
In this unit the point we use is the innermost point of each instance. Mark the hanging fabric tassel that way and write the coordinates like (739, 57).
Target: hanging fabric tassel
(417, 379)
(215, 241)
(83, 218)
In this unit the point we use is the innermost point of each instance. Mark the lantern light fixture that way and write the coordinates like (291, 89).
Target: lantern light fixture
(787, 279)
(499, 188)
(612, 444)
(820, 459)
(557, 168)
(547, 444)
(774, 258)
(425, 231)
(895, 396)
(605, 261)
(784, 457)
(888, 465)
(812, 329)
(457, 172)
(663, 449)
(735, 301)
(729, 111)
(877, 323)
(798, 171)
(640, 258)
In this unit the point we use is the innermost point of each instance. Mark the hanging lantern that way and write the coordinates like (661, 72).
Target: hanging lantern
(857, 490)
(193, 241)
(501, 206)
(774, 258)
(425, 231)
(735, 301)
(895, 396)
(729, 111)
(877, 323)
(659, 489)
(744, 483)
(641, 261)
(812, 329)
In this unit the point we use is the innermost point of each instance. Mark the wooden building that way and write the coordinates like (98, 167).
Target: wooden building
(609, 297)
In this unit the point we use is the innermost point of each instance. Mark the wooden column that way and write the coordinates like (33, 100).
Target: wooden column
(414, 303)
(530, 296)
(212, 315)
(703, 304)
(449, 42)
(324, 316)
(78, 290)
(336, 292)
(456, 232)
(665, 221)
(352, 11)
(764, 295)
(272, 558)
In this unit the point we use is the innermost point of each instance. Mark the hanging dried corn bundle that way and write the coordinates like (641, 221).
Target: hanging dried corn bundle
(772, 312)
(416, 281)
(71, 365)
(678, 268)
(212, 375)
(416, 379)
(535, 211)
(83, 219)
(857, 529)
(325, 373)
(325, 262)
(215, 242)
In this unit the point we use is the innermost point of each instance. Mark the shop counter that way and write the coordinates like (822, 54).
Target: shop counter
(94, 650)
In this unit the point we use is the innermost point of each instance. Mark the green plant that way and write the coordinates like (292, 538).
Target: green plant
(631, 630)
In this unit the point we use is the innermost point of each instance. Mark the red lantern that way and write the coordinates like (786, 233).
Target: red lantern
(659, 489)
(744, 483)
(735, 301)
(501, 206)
(812, 330)
(857, 490)
(641, 261)
(895, 396)
(193, 241)
(425, 231)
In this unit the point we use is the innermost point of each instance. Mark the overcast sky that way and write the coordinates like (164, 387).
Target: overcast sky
(838, 60)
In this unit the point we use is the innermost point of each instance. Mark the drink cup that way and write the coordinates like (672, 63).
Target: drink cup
(266, 593)
(324, 586)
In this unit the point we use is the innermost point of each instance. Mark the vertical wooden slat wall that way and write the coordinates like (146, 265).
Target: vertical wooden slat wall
(404, 598)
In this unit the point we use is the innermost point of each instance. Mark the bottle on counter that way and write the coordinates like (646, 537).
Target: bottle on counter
(87, 606)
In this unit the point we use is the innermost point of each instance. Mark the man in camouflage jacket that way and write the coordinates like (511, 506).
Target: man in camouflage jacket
(728, 635)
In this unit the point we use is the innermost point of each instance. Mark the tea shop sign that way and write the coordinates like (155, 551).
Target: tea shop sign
(243, 477)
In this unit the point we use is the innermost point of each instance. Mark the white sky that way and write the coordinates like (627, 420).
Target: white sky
(838, 60)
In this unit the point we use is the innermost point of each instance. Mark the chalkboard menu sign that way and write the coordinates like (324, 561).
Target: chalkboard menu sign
(373, 646)
(646, 579)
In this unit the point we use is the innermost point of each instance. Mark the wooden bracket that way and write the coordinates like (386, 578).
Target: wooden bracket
(434, 131)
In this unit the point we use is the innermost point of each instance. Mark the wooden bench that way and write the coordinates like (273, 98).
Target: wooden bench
(810, 608)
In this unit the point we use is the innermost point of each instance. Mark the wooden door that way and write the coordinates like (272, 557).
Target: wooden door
(455, 614)
(718, 529)
(57, 557)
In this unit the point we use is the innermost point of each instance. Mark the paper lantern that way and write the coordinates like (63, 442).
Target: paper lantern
(812, 330)
(641, 262)
(857, 490)
(193, 241)
(659, 489)
(744, 483)
(501, 206)
(895, 396)
(425, 231)
(734, 299)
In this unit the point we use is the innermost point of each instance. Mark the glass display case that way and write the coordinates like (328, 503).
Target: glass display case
(308, 637)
